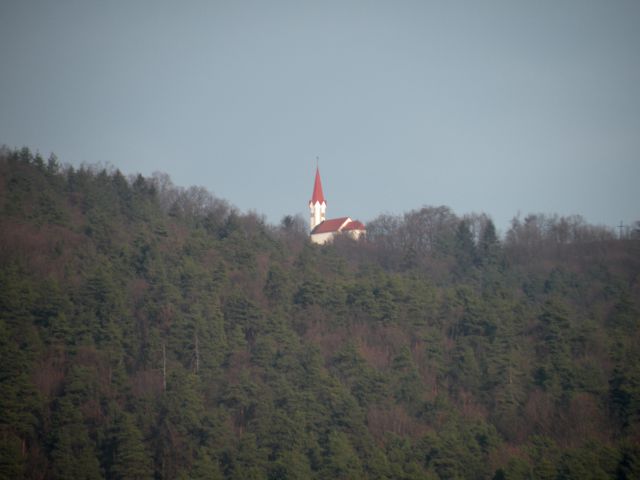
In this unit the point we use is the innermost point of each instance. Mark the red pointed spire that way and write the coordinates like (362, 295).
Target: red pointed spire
(317, 196)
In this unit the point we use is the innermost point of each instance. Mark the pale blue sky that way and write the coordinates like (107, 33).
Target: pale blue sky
(498, 106)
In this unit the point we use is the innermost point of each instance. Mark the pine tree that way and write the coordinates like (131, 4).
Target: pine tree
(73, 455)
(130, 457)
(342, 461)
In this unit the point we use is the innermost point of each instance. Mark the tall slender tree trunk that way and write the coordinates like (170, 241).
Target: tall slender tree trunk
(197, 353)
(164, 368)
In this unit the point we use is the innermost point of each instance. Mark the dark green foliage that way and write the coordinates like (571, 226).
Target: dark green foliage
(73, 452)
(130, 458)
(153, 332)
(341, 460)
(465, 248)
(12, 459)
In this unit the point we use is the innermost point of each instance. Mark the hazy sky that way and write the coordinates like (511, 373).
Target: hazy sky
(497, 106)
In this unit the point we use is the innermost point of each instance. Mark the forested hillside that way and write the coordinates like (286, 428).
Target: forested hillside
(150, 331)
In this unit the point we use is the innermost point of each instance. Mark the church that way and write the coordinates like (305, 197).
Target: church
(323, 230)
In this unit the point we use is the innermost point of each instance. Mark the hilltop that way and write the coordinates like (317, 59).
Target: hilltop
(151, 331)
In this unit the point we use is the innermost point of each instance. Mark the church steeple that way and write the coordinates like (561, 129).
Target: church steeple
(317, 196)
(317, 204)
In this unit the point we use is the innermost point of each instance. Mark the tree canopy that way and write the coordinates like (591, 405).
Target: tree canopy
(149, 331)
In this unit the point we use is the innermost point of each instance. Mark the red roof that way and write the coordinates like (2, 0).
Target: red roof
(317, 196)
(341, 224)
(355, 225)
(332, 225)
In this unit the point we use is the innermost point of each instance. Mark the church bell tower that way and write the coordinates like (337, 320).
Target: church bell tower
(317, 204)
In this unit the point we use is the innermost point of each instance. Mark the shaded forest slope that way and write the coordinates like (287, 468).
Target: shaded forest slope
(150, 331)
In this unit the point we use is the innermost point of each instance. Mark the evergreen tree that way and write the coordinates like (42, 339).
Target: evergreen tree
(130, 458)
(73, 454)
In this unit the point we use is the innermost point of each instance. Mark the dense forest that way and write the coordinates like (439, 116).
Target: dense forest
(149, 331)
